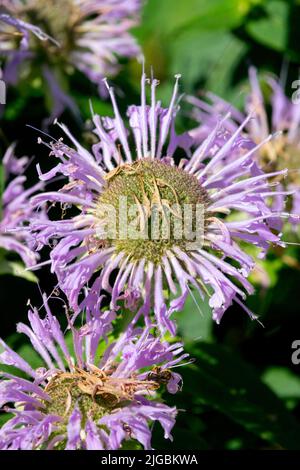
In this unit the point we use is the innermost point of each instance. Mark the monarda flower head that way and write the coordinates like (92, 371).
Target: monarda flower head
(89, 36)
(152, 224)
(80, 400)
(15, 209)
(283, 120)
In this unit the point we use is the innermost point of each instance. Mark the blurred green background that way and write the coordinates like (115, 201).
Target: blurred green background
(242, 391)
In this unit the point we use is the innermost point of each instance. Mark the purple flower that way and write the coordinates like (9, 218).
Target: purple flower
(284, 122)
(90, 36)
(16, 210)
(81, 400)
(15, 41)
(97, 262)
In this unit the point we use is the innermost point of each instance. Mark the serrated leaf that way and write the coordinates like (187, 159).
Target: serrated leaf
(272, 30)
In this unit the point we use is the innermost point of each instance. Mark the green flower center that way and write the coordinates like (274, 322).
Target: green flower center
(149, 207)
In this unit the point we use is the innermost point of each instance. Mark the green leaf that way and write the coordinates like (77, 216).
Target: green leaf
(131, 444)
(233, 387)
(272, 30)
(195, 320)
(193, 39)
(4, 417)
(27, 352)
(99, 107)
(210, 56)
(282, 381)
(212, 15)
(16, 268)
(267, 270)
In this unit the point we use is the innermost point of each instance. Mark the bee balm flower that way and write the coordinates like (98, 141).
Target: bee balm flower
(15, 209)
(283, 152)
(89, 36)
(84, 402)
(167, 221)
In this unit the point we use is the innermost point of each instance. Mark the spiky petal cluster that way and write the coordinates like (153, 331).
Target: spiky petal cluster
(283, 121)
(103, 272)
(90, 36)
(81, 401)
(15, 208)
